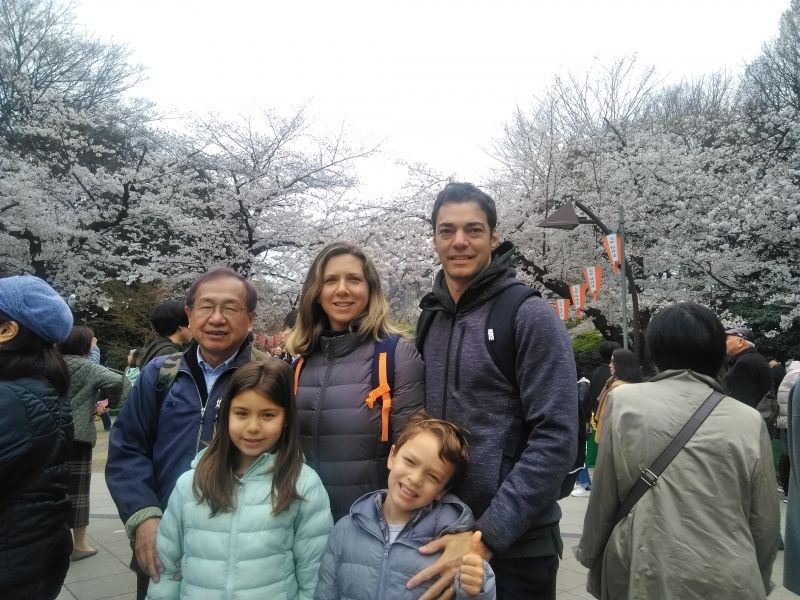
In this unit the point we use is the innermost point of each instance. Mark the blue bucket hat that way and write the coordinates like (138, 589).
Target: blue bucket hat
(36, 306)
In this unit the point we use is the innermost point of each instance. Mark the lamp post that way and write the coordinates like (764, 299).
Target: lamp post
(566, 218)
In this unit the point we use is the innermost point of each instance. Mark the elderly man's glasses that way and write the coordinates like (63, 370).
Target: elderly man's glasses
(229, 311)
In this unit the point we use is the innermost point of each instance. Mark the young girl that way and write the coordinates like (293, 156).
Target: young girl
(249, 520)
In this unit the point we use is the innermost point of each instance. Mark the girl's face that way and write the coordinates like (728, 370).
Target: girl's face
(345, 291)
(255, 426)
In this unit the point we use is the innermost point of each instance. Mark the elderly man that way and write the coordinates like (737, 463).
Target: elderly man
(170, 412)
(749, 376)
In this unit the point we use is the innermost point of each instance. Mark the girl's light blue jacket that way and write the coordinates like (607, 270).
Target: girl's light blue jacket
(249, 553)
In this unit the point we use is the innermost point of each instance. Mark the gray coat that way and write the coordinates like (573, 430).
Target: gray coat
(360, 563)
(709, 527)
(791, 556)
(340, 434)
(791, 377)
(87, 378)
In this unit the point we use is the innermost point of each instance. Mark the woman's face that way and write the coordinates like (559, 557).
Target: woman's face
(613, 369)
(345, 291)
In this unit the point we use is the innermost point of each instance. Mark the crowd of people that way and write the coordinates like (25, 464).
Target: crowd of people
(382, 467)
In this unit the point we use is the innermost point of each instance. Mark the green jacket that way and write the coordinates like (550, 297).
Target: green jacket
(247, 554)
(87, 379)
(708, 529)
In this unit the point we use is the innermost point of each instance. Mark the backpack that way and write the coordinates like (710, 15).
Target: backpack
(382, 380)
(769, 410)
(499, 338)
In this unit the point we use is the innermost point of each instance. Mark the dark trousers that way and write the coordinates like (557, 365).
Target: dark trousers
(526, 578)
(784, 465)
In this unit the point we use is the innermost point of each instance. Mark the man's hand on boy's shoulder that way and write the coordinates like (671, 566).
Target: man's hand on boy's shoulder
(454, 546)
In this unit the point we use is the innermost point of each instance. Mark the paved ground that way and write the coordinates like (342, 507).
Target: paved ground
(106, 575)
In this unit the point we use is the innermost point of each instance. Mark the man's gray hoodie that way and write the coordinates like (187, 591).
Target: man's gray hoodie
(514, 499)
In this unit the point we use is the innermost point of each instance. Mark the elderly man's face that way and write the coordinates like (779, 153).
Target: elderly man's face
(733, 345)
(219, 318)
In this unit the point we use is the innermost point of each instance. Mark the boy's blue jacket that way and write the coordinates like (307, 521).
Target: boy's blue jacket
(360, 564)
(150, 448)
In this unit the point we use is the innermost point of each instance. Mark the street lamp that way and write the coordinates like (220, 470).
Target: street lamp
(566, 218)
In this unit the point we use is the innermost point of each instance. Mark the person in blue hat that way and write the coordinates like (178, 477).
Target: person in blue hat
(35, 435)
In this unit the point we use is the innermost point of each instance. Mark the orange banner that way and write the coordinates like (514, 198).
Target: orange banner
(593, 277)
(613, 248)
(563, 308)
(578, 294)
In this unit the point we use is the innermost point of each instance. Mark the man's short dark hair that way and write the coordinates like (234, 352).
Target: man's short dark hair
(168, 316)
(686, 336)
(251, 295)
(460, 192)
(606, 349)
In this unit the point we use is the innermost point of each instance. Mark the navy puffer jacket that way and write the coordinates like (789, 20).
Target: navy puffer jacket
(340, 434)
(35, 542)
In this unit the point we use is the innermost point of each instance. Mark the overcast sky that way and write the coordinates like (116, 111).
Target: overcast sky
(434, 80)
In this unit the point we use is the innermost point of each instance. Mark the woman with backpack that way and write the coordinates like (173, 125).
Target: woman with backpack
(707, 527)
(35, 436)
(349, 355)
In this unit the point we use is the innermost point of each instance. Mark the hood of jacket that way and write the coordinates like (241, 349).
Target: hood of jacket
(424, 525)
(499, 274)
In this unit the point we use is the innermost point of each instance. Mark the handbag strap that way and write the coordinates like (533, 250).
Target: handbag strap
(649, 477)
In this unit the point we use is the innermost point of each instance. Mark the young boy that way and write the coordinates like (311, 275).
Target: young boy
(373, 551)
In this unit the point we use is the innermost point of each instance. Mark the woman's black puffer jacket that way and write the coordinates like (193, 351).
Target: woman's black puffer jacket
(35, 542)
(339, 432)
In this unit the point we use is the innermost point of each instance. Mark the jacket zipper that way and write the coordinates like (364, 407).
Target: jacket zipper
(447, 368)
(458, 358)
(318, 407)
(202, 415)
(203, 406)
(229, 583)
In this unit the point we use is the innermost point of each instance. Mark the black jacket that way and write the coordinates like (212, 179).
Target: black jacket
(35, 542)
(749, 377)
(597, 382)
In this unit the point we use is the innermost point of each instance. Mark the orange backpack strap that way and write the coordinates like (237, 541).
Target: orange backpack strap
(298, 364)
(383, 380)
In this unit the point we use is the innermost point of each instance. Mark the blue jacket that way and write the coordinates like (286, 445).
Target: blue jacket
(154, 441)
(512, 484)
(35, 437)
(248, 553)
(361, 564)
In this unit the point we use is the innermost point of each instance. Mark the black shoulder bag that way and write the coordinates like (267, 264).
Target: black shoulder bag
(649, 477)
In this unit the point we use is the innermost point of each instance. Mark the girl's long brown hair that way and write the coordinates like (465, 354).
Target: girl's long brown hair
(214, 481)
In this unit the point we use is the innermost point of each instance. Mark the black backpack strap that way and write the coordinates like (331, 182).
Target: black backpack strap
(649, 477)
(499, 330)
(424, 322)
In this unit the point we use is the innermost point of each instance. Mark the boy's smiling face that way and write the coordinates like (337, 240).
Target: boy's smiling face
(417, 477)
